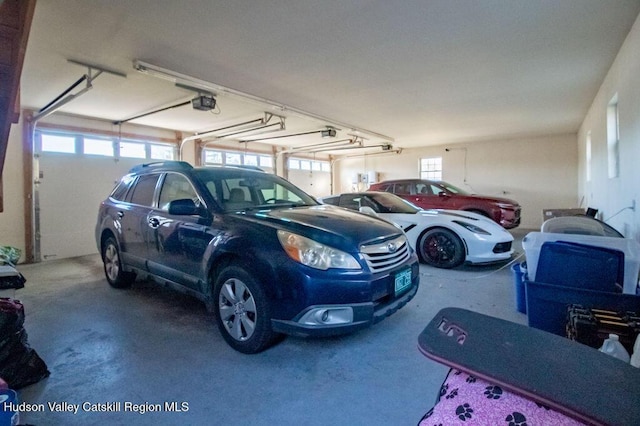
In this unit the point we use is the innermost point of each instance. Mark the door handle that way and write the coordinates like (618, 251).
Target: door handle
(154, 222)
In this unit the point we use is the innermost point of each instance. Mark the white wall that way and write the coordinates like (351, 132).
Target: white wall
(12, 219)
(539, 173)
(613, 196)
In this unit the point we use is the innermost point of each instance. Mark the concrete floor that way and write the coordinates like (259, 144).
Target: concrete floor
(149, 345)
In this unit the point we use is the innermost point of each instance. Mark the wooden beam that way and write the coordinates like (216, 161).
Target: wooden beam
(15, 24)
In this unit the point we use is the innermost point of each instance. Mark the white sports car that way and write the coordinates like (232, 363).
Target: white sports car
(442, 238)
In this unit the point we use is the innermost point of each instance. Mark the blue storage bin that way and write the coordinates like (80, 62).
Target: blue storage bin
(547, 304)
(532, 244)
(581, 265)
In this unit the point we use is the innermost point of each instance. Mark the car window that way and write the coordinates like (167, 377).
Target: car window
(335, 201)
(144, 188)
(239, 190)
(233, 192)
(120, 191)
(423, 189)
(435, 189)
(350, 201)
(452, 189)
(387, 203)
(176, 187)
(213, 190)
(402, 188)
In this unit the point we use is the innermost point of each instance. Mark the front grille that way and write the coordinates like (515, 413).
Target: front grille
(502, 247)
(387, 255)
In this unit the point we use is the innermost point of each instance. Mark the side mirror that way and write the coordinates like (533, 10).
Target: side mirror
(442, 194)
(368, 210)
(184, 207)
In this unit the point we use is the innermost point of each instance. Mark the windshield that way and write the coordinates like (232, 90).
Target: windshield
(452, 189)
(385, 202)
(237, 190)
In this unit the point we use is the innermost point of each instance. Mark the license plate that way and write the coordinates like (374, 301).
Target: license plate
(402, 281)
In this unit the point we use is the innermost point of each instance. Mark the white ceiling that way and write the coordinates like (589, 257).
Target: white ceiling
(421, 72)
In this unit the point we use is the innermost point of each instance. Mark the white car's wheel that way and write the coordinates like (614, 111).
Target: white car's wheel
(441, 248)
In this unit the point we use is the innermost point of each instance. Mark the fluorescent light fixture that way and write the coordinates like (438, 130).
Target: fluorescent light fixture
(216, 89)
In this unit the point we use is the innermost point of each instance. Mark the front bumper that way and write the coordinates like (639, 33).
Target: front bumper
(510, 219)
(488, 252)
(336, 319)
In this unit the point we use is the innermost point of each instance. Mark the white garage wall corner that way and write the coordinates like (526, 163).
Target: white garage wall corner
(540, 173)
(613, 197)
(12, 218)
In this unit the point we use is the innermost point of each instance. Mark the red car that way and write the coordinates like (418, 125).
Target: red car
(429, 194)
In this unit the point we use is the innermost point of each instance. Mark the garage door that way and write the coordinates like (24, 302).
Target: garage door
(76, 173)
(312, 176)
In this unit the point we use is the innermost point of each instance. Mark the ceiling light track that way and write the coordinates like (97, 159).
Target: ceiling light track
(233, 126)
(370, 154)
(328, 132)
(266, 126)
(263, 125)
(385, 147)
(198, 84)
(323, 144)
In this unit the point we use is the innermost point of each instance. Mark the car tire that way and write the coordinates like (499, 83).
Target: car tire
(441, 248)
(242, 311)
(113, 268)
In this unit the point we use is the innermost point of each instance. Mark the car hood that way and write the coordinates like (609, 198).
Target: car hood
(327, 224)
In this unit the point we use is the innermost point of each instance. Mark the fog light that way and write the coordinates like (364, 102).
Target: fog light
(327, 316)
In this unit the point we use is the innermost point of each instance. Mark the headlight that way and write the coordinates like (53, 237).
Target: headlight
(472, 228)
(506, 206)
(314, 254)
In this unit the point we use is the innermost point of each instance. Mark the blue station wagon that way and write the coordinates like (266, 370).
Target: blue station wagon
(263, 255)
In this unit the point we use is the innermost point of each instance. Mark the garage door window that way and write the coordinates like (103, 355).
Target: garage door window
(98, 147)
(162, 152)
(102, 145)
(315, 165)
(213, 157)
(56, 143)
(133, 150)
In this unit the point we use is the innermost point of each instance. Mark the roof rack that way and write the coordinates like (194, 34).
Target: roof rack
(173, 165)
(234, 166)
